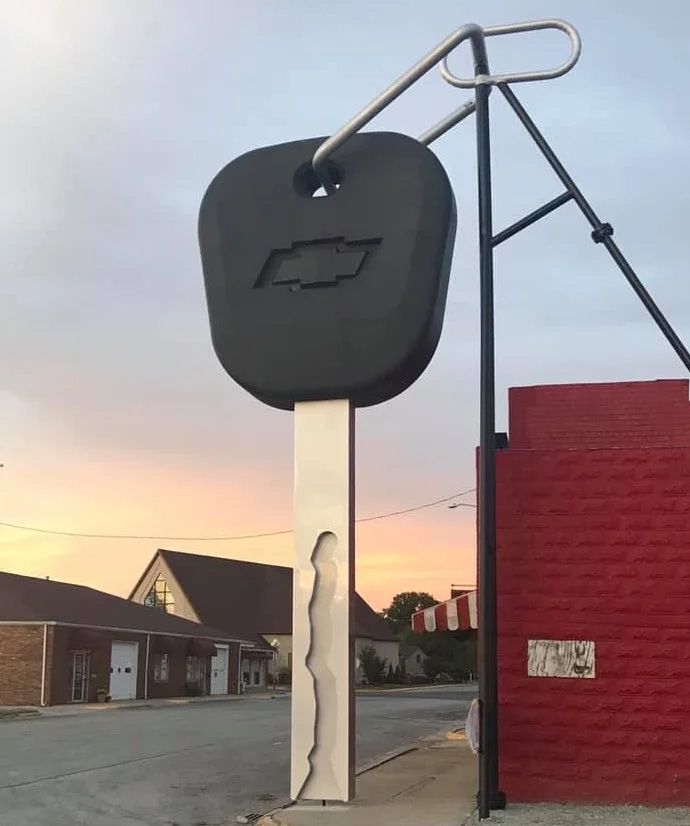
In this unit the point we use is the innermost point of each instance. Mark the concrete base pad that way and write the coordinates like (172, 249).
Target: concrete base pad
(431, 786)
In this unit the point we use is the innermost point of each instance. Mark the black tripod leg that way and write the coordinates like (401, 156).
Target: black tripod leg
(601, 232)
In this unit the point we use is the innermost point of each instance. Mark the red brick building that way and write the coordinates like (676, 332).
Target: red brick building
(61, 643)
(593, 556)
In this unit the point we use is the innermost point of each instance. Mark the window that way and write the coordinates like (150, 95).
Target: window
(419, 658)
(160, 596)
(161, 668)
(257, 676)
(289, 659)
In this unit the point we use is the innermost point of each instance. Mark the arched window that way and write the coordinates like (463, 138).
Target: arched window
(160, 596)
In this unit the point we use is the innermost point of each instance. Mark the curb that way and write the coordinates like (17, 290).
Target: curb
(52, 712)
(22, 714)
(386, 758)
(279, 695)
(430, 686)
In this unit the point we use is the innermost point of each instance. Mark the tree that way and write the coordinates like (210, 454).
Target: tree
(399, 612)
(434, 665)
(471, 655)
(448, 655)
(372, 665)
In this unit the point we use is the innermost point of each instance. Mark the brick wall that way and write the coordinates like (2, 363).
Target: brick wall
(60, 659)
(21, 657)
(234, 668)
(594, 544)
(58, 667)
(21, 664)
(177, 673)
(628, 414)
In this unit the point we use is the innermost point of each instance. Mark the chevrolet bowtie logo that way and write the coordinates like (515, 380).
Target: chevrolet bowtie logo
(313, 264)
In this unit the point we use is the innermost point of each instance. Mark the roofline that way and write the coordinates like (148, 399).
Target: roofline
(144, 574)
(364, 637)
(225, 559)
(368, 637)
(56, 623)
(162, 552)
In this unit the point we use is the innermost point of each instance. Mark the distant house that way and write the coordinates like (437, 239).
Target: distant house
(412, 661)
(249, 600)
(63, 643)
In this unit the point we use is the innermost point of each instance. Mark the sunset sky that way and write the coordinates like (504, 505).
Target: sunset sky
(115, 416)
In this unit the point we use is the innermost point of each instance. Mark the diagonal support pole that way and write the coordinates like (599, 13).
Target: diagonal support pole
(602, 233)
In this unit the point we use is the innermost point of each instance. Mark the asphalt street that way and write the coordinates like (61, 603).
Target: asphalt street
(201, 764)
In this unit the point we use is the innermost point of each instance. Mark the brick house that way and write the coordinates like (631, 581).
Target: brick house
(252, 599)
(593, 568)
(61, 643)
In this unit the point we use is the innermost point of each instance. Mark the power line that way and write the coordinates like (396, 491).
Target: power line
(264, 535)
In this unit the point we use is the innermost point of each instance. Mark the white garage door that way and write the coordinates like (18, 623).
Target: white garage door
(219, 670)
(123, 670)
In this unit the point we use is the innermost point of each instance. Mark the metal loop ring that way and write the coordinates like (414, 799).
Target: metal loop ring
(476, 35)
(521, 77)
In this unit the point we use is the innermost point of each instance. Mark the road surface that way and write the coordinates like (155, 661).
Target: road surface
(200, 764)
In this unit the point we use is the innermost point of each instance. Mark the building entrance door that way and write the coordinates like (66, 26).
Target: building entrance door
(123, 670)
(219, 671)
(79, 677)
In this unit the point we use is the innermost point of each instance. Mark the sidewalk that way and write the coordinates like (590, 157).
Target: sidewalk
(119, 705)
(433, 785)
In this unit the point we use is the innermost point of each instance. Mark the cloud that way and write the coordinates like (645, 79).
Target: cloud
(118, 116)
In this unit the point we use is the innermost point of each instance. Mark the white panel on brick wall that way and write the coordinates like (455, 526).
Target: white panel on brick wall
(561, 658)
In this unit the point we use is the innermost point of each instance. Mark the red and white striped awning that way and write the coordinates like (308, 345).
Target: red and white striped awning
(458, 614)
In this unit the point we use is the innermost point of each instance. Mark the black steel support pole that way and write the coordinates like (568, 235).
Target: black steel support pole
(602, 232)
(488, 682)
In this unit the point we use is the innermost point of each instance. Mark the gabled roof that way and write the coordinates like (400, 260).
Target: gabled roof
(408, 650)
(29, 599)
(250, 598)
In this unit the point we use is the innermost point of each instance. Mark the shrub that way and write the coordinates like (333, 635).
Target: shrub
(373, 666)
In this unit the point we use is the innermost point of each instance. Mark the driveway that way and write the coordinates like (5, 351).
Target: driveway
(201, 764)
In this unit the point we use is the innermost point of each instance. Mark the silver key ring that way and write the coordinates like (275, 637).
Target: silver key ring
(477, 37)
(521, 77)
